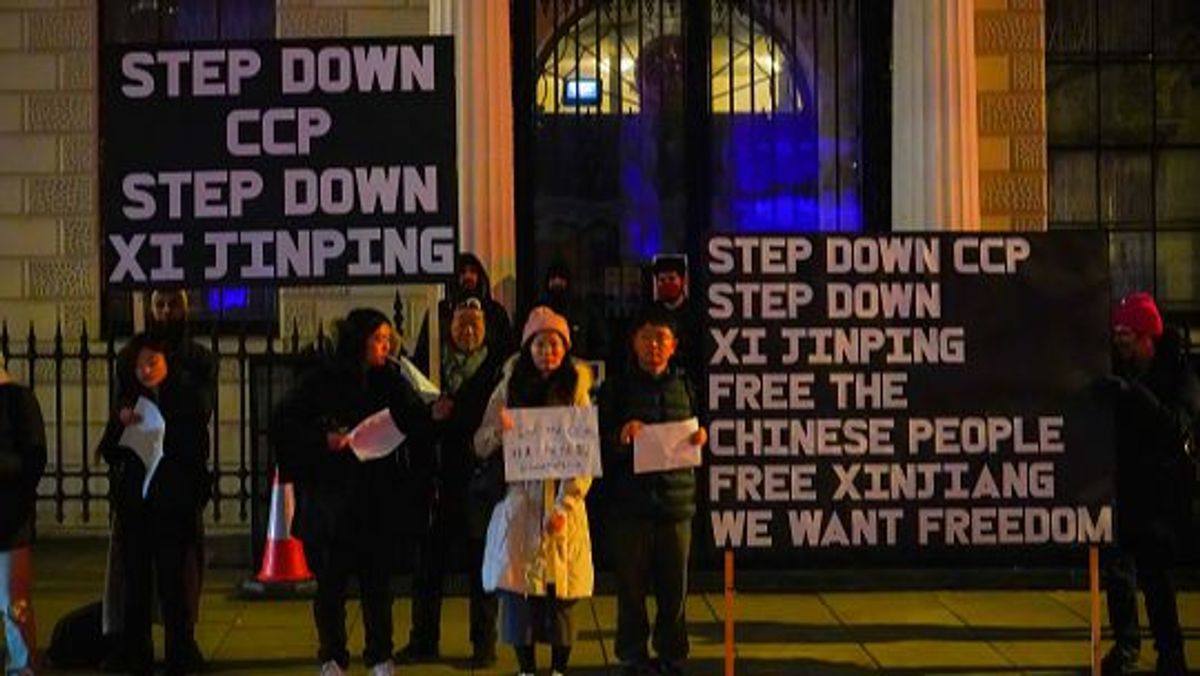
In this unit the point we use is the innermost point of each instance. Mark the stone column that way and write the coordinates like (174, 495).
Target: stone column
(485, 133)
(935, 156)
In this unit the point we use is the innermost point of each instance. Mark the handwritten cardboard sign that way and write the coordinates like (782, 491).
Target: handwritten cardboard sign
(552, 443)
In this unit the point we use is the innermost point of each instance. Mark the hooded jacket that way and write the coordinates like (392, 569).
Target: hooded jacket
(22, 462)
(519, 555)
(1154, 413)
(500, 338)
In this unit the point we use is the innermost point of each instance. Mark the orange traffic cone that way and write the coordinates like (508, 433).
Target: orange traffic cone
(283, 565)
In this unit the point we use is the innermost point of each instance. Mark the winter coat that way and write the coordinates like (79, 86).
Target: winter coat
(339, 498)
(22, 461)
(637, 395)
(1153, 414)
(499, 334)
(520, 556)
(181, 483)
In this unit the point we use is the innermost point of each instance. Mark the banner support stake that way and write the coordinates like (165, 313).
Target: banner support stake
(729, 639)
(1094, 597)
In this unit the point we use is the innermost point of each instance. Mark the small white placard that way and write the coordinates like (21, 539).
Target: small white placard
(145, 438)
(376, 437)
(556, 442)
(666, 446)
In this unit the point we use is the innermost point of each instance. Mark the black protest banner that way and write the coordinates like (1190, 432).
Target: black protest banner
(278, 162)
(924, 398)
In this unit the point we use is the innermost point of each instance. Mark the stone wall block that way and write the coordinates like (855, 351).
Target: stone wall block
(79, 236)
(1009, 193)
(60, 195)
(1029, 153)
(75, 71)
(1007, 32)
(11, 112)
(28, 154)
(28, 72)
(310, 23)
(1029, 222)
(78, 154)
(60, 112)
(1028, 71)
(1008, 113)
(62, 278)
(60, 30)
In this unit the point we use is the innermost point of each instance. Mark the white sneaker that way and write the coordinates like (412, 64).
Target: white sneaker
(382, 669)
(332, 668)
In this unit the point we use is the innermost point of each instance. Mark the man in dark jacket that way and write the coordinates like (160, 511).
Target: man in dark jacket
(470, 277)
(589, 335)
(1157, 403)
(22, 461)
(650, 521)
(346, 512)
(457, 519)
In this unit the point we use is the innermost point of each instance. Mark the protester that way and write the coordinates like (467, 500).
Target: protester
(1157, 405)
(470, 277)
(671, 295)
(345, 508)
(650, 524)
(589, 335)
(22, 462)
(458, 517)
(538, 553)
(158, 518)
(197, 366)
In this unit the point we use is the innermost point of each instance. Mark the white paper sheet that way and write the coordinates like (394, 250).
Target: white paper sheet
(145, 438)
(666, 446)
(376, 437)
(554, 442)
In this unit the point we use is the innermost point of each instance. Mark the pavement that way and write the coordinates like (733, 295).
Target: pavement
(842, 632)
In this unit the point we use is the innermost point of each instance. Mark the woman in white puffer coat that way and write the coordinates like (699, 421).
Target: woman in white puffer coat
(538, 555)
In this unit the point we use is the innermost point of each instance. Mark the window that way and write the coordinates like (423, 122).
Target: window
(1123, 118)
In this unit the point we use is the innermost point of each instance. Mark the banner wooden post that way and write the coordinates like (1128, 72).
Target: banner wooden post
(729, 640)
(1094, 596)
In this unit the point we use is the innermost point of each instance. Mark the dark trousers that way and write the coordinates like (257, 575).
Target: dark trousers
(651, 554)
(334, 563)
(1125, 572)
(159, 545)
(442, 546)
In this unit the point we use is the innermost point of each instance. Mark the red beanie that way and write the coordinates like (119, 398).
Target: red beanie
(1138, 313)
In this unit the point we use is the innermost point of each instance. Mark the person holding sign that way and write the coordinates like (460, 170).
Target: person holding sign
(335, 435)
(1157, 409)
(652, 442)
(158, 505)
(538, 554)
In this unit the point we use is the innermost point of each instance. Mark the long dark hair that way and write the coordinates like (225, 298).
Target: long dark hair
(527, 387)
(352, 334)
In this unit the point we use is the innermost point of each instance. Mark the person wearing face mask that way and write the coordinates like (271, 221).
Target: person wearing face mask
(671, 296)
(455, 529)
(538, 555)
(345, 507)
(588, 331)
(1157, 403)
(470, 277)
(158, 521)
